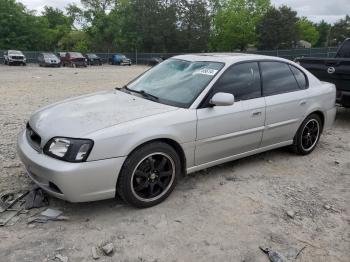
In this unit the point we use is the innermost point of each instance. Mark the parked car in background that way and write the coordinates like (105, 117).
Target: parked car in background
(155, 61)
(93, 59)
(335, 70)
(49, 59)
(61, 56)
(188, 113)
(74, 59)
(14, 57)
(119, 59)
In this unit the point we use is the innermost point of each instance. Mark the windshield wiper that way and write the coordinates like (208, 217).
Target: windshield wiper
(141, 92)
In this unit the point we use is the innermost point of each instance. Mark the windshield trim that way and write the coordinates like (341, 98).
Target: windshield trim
(170, 102)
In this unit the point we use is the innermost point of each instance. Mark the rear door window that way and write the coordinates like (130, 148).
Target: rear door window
(299, 76)
(277, 78)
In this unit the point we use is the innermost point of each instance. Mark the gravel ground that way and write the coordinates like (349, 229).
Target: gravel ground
(220, 214)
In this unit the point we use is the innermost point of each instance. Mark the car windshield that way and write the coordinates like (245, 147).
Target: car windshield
(13, 52)
(92, 55)
(48, 55)
(177, 82)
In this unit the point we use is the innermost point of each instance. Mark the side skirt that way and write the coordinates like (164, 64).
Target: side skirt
(234, 157)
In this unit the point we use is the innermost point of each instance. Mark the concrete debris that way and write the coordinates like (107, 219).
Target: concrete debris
(11, 205)
(61, 258)
(36, 198)
(51, 213)
(47, 215)
(8, 200)
(7, 216)
(274, 256)
(108, 248)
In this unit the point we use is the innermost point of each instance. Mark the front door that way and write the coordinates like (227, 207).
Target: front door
(224, 131)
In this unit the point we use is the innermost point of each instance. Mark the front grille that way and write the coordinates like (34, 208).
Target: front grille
(33, 138)
(17, 57)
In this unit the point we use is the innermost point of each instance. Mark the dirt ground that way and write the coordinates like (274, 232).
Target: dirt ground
(220, 214)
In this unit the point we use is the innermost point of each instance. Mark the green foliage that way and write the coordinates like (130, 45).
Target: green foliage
(278, 29)
(162, 26)
(235, 23)
(308, 31)
(340, 31)
(74, 41)
(323, 30)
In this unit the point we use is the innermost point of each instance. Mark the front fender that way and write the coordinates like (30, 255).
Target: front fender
(122, 139)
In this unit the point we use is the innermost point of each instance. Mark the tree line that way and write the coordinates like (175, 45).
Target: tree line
(163, 26)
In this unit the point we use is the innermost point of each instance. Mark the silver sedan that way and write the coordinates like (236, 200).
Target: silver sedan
(188, 113)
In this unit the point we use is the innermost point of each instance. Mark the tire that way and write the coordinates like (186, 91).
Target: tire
(308, 135)
(24, 64)
(151, 168)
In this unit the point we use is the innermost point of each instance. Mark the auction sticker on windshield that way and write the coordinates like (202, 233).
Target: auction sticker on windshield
(205, 71)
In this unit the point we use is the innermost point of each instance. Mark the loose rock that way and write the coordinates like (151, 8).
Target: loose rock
(327, 207)
(61, 258)
(108, 248)
(291, 213)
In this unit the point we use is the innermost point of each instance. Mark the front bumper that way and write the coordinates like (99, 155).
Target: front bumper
(74, 182)
(125, 62)
(17, 61)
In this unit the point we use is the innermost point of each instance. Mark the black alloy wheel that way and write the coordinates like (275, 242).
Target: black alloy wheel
(149, 175)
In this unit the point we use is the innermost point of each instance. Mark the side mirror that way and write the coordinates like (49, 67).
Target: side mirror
(222, 99)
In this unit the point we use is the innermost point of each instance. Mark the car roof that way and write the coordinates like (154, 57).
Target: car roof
(227, 58)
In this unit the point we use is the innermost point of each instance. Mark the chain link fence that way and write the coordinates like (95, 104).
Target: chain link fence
(145, 58)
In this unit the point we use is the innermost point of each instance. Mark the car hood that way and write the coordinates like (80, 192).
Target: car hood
(80, 116)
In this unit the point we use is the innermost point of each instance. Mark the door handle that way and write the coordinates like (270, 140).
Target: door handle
(302, 103)
(257, 113)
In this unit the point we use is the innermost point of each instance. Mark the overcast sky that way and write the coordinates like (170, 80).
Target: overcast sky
(315, 10)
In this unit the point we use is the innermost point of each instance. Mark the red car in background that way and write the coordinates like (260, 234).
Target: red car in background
(74, 59)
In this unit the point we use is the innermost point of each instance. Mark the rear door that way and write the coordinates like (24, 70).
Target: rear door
(286, 95)
(224, 131)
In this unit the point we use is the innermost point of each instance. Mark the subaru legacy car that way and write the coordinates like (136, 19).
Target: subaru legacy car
(187, 113)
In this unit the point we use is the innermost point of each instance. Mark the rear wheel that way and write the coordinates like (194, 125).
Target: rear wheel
(149, 175)
(308, 135)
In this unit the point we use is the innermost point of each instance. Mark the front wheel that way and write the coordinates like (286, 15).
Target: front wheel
(149, 175)
(308, 135)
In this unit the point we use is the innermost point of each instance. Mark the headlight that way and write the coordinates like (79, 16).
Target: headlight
(69, 149)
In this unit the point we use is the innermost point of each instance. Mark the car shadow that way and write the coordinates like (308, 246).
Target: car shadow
(343, 117)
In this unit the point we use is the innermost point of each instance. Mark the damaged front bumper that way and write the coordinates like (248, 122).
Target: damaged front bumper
(74, 182)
